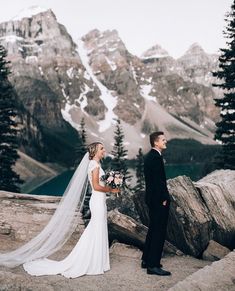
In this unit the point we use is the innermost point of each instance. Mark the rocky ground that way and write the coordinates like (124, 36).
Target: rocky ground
(211, 201)
(125, 274)
(188, 273)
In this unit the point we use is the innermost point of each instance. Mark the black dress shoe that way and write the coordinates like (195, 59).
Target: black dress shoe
(144, 266)
(158, 271)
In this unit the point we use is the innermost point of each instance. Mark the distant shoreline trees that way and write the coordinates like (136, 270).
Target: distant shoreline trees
(225, 132)
(9, 179)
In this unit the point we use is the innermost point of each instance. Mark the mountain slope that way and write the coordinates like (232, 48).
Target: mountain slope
(32, 172)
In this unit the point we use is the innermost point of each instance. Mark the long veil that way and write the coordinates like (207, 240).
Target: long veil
(61, 225)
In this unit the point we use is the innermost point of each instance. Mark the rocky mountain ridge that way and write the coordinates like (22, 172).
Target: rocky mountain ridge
(59, 81)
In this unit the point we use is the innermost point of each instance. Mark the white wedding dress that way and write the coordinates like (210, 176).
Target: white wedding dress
(90, 256)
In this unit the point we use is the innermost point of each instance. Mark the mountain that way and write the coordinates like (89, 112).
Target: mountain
(138, 82)
(59, 81)
(198, 65)
(41, 53)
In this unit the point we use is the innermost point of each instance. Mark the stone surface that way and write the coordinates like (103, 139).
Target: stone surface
(202, 211)
(125, 250)
(218, 194)
(214, 251)
(189, 226)
(125, 229)
(218, 276)
(22, 216)
(124, 203)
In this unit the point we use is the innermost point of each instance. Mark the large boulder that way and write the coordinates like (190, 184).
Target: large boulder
(214, 251)
(219, 275)
(200, 211)
(218, 194)
(124, 203)
(190, 224)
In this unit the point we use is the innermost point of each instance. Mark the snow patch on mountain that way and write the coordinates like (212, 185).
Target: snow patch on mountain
(82, 100)
(112, 49)
(70, 73)
(133, 72)
(11, 38)
(112, 64)
(145, 92)
(31, 59)
(40, 70)
(67, 116)
(64, 94)
(106, 96)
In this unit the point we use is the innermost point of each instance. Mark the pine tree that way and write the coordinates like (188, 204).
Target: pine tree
(140, 184)
(81, 151)
(225, 132)
(82, 146)
(119, 161)
(83, 136)
(9, 179)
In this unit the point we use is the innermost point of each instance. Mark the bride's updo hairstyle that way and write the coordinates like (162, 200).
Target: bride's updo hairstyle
(92, 149)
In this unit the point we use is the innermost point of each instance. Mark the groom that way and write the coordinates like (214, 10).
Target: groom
(158, 201)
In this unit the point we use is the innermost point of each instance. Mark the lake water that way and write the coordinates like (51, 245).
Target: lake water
(56, 186)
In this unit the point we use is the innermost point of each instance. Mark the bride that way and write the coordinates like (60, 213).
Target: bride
(91, 253)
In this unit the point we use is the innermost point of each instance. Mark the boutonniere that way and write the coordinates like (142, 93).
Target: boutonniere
(164, 161)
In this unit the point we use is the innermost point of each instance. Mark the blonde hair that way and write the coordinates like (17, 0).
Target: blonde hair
(92, 149)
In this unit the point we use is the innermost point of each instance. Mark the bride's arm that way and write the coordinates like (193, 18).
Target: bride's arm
(96, 185)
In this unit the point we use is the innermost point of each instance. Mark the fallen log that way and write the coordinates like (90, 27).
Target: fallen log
(126, 230)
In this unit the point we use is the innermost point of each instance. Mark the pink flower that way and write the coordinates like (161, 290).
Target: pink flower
(110, 179)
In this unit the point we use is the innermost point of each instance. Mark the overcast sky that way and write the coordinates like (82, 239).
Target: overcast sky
(173, 24)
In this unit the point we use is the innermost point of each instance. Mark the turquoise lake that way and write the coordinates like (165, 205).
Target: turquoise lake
(57, 185)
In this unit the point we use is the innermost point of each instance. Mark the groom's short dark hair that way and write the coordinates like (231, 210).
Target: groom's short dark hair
(154, 136)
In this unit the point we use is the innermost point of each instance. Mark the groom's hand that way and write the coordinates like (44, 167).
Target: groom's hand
(164, 203)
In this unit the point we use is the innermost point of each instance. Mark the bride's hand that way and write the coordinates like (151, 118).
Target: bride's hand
(115, 191)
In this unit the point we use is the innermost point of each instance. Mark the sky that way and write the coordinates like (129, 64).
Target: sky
(173, 24)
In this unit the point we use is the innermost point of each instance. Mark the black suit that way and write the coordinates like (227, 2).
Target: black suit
(156, 193)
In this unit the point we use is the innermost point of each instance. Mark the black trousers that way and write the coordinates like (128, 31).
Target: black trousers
(156, 235)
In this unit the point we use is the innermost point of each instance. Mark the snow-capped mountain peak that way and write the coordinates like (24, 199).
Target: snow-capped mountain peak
(155, 52)
(29, 12)
(195, 48)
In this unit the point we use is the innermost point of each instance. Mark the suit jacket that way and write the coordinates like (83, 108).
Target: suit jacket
(155, 179)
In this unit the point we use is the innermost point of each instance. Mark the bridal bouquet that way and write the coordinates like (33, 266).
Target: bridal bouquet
(114, 179)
